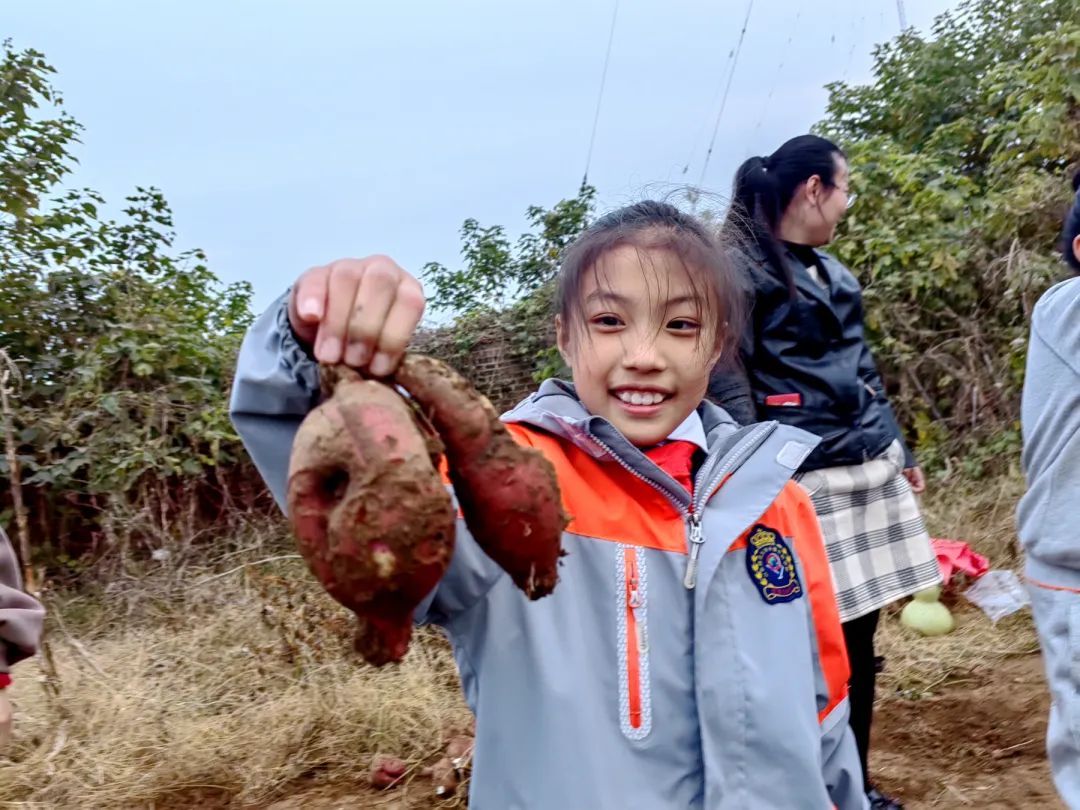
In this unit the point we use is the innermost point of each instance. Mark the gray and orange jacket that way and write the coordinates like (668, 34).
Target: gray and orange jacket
(645, 680)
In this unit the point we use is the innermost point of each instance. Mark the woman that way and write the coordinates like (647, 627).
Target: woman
(806, 363)
(1050, 416)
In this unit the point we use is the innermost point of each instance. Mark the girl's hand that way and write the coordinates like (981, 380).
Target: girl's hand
(362, 312)
(917, 479)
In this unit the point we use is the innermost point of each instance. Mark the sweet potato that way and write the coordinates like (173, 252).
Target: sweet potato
(508, 493)
(370, 513)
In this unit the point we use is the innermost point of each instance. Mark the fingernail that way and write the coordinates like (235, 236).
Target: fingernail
(310, 308)
(357, 355)
(381, 364)
(331, 351)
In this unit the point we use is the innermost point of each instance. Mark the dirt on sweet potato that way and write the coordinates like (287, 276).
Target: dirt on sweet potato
(369, 510)
(508, 493)
(372, 516)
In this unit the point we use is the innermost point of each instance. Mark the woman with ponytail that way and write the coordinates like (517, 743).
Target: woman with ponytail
(805, 362)
(1050, 417)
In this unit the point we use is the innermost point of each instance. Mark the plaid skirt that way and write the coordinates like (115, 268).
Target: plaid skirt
(879, 549)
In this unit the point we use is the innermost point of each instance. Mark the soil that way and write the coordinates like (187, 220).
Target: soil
(978, 743)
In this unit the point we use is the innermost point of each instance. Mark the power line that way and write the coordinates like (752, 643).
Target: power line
(855, 35)
(776, 77)
(600, 96)
(727, 90)
(704, 128)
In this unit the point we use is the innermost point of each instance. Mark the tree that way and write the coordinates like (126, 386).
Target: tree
(125, 347)
(503, 293)
(495, 274)
(961, 150)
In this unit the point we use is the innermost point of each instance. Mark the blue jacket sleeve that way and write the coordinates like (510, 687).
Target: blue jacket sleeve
(840, 761)
(276, 384)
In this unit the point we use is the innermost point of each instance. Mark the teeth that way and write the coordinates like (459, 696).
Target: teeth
(641, 397)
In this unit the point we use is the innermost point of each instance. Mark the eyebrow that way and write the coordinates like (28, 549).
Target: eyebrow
(616, 298)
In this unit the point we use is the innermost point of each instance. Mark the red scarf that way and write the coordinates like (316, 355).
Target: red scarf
(676, 458)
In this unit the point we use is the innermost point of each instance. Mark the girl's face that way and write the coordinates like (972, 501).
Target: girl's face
(642, 357)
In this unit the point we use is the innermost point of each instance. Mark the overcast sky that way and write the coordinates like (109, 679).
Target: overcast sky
(286, 134)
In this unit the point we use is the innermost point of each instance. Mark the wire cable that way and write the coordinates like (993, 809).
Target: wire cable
(727, 91)
(776, 79)
(600, 95)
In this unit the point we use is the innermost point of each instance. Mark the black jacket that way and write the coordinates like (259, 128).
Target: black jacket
(810, 349)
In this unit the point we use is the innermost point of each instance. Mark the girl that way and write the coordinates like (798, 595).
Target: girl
(691, 656)
(805, 362)
(1050, 417)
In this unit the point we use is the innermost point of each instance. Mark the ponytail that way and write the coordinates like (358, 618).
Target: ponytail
(765, 186)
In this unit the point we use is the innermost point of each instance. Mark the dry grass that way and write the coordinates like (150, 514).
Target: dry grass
(979, 512)
(982, 514)
(177, 689)
(190, 693)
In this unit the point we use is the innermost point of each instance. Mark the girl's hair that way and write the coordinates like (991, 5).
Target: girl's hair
(765, 186)
(658, 226)
(1071, 229)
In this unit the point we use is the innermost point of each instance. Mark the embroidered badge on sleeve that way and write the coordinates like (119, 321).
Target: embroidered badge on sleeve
(772, 566)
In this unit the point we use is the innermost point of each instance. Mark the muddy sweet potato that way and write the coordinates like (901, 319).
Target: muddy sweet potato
(369, 510)
(372, 516)
(508, 493)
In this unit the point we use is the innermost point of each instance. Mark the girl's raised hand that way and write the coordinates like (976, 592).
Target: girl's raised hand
(362, 312)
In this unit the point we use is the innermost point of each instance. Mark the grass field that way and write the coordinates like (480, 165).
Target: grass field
(230, 682)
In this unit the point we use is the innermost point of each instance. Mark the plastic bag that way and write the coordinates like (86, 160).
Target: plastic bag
(998, 594)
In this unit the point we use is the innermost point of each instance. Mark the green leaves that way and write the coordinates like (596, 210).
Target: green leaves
(504, 293)
(495, 273)
(126, 346)
(961, 151)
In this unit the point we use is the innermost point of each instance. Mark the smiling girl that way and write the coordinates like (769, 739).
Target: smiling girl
(691, 655)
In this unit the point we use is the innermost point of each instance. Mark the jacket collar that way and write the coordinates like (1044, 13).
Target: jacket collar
(556, 409)
(804, 282)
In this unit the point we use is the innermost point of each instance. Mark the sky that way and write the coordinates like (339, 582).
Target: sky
(288, 134)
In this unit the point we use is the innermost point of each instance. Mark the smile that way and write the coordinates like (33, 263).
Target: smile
(640, 398)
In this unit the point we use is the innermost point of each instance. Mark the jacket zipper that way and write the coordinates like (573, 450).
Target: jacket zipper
(635, 635)
(701, 494)
(691, 514)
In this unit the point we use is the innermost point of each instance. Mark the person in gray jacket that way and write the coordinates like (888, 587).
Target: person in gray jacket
(1048, 512)
(21, 617)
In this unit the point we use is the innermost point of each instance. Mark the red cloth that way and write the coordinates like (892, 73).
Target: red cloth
(956, 557)
(676, 458)
(5, 680)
